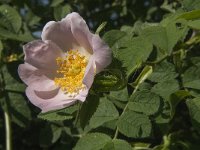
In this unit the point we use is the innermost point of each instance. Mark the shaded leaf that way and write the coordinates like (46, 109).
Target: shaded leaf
(194, 24)
(56, 2)
(190, 5)
(88, 109)
(121, 95)
(49, 135)
(61, 11)
(162, 72)
(112, 36)
(134, 125)
(160, 88)
(191, 78)
(145, 102)
(117, 144)
(10, 18)
(17, 103)
(133, 52)
(92, 141)
(63, 114)
(166, 37)
(176, 98)
(105, 112)
(194, 110)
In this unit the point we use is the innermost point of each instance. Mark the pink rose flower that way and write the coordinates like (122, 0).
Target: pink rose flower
(60, 68)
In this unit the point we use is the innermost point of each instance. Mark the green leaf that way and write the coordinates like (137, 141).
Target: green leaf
(160, 88)
(31, 18)
(105, 112)
(10, 18)
(55, 3)
(176, 98)
(121, 95)
(111, 37)
(162, 72)
(117, 144)
(127, 29)
(61, 11)
(134, 125)
(63, 114)
(145, 102)
(166, 37)
(92, 141)
(165, 115)
(88, 109)
(194, 110)
(190, 5)
(191, 77)
(157, 35)
(194, 14)
(49, 135)
(25, 37)
(134, 52)
(194, 24)
(17, 103)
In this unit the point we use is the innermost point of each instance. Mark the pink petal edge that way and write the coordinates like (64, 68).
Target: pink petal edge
(59, 101)
(42, 54)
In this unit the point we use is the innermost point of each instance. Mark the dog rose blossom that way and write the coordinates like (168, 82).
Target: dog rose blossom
(60, 68)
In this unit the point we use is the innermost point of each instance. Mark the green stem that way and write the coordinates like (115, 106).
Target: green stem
(8, 128)
(117, 129)
(78, 113)
(8, 131)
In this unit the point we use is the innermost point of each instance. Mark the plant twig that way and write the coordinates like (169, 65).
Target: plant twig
(117, 129)
(8, 131)
(78, 113)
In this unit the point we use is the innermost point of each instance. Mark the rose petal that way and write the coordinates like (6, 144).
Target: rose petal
(28, 73)
(43, 84)
(60, 33)
(80, 31)
(42, 54)
(91, 42)
(82, 95)
(102, 53)
(89, 73)
(58, 101)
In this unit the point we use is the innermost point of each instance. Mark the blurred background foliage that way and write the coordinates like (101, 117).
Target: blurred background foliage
(22, 21)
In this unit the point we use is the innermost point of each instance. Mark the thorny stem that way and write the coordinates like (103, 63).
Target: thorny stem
(117, 129)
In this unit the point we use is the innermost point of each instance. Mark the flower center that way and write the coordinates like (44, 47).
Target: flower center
(71, 69)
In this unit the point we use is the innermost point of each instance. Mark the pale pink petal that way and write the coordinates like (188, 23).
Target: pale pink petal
(102, 53)
(80, 31)
(60, 33)
(42, 54)
(82, 95)
(28, 73)
(89, 73)
(91, 42)
(47, 103)
(43, 84)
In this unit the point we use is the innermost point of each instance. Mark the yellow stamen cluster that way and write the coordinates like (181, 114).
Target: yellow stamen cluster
(71, 69)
